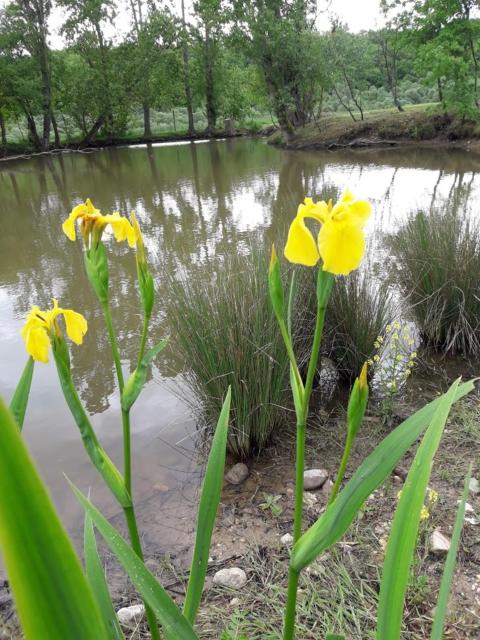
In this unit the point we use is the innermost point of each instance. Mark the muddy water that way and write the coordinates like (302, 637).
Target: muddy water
(196, 202)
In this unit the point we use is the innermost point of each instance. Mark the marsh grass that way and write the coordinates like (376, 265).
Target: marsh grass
(437, 268)
(226, 334)
(359, 310)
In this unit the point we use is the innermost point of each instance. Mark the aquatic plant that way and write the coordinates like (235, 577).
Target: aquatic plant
(225, 332)
(56, 600)
(437, 262)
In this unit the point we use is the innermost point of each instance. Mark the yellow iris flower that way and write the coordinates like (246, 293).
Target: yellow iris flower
(93, 223)
(341, 240)
(40, 325)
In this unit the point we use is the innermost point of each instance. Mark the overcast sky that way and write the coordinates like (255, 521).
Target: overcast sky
(358, 14)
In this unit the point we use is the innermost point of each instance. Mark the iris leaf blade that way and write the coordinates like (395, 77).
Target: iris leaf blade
(52, 596)
(18, 404)
(96, 577)
(442, 600)
(405, 525)
(207, 511)
(169, 615)
(332, 525)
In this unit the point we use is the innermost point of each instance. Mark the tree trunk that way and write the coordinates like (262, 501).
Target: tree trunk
(46, 94)
(32, 131)
(147, 127)
(209, 85)
(93, 131)
(58, 142)
(186, 76)
(3, 131)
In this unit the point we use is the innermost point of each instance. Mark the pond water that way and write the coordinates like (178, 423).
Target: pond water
(195, 202)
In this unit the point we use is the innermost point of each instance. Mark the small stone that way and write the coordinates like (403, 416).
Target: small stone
(309, 500)
(233, 578)
(131, 615)
(238, 473)
(234, 602)
(159, 486)
(286, 540)
(314, 479)
(397, 481)
(468, 507)
(439, 544)
(327, 488)
(474, 486)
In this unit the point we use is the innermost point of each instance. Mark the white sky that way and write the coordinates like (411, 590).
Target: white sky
(358, 14)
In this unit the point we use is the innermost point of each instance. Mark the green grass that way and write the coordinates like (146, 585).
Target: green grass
(437, 267)
(226, 333)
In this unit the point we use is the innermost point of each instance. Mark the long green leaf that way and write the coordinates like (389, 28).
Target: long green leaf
(136, 381)
(405, 525)
(442, 601)
(334, 636)
(96, 578)
(332, 525)
(171, 618)
(18, 404)
(97, 454)
(52, 596)
(207, 512)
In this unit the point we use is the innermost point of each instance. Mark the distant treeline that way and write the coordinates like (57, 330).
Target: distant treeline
(225, 59)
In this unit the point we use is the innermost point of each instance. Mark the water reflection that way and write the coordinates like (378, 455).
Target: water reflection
(196, 203)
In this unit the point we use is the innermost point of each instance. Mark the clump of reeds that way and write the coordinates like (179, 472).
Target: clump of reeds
(360, 309)
(226, 331)
(437, 267)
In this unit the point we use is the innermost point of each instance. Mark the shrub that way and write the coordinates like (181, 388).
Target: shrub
(437, 267)
(226, 333)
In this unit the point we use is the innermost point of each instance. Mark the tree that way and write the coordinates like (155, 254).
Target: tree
(280, 38)
(447, 41)
(84, 27)
(186, 73)
(210, 15)
(349, 66)
(25, 34)
(389, 56)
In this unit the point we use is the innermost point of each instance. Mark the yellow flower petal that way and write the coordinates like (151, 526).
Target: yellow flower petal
(76, 325)
(341, 245)
(37, 342)
(301, 247)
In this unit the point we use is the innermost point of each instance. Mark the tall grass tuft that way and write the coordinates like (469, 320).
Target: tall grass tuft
(360, 309)
(358, 312)
(226, 331)
(437, 267)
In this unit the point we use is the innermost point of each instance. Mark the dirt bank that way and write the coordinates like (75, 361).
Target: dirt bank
(385, 129)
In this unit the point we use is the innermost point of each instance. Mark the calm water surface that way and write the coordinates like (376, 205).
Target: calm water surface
(195, 202)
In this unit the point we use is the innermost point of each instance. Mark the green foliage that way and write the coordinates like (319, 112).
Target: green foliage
(437, 261)
(226, 334)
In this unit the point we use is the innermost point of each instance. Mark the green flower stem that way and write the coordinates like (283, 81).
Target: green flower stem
(324, 287)
(288, 345)
(341, 469)
(113, 343)
(143, 340)
(127, 462)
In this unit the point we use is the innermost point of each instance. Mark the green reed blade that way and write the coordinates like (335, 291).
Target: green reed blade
(136, 381)
(442, 600)
(18, 404)
(207, 512)
(405, 525)
(96, 577)
(331, 526)
(334, 636)
(169, 615)
(52, 596)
